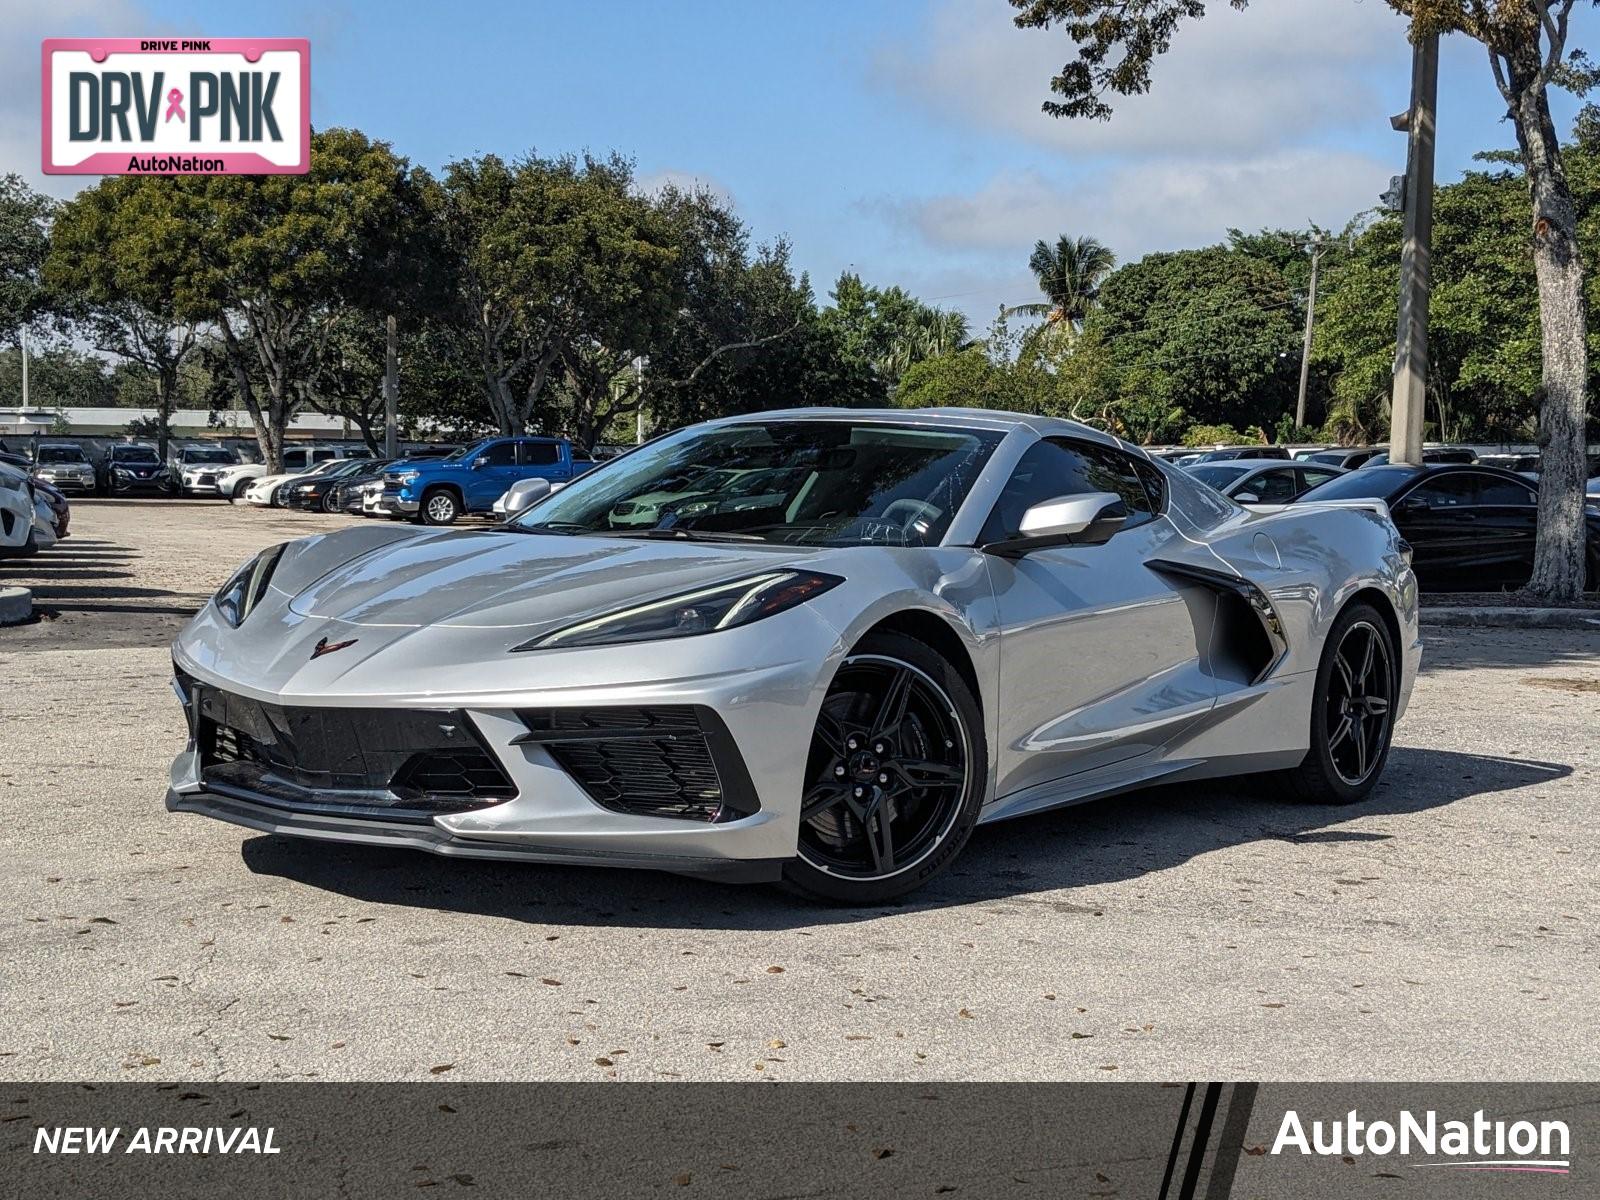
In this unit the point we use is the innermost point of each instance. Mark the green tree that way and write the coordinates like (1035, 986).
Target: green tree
(58, 377)
(1118, 40)
(267, 260)
(109, 274)
(889, 329)
(704, 304)
(1070, 274)
(24, 241)
(1212, 332)
(545, 252)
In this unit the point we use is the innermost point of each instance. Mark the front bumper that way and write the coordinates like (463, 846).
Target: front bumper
(760, 690)
(434, 839)
(73, 482)
(389, 503)
(202, 485)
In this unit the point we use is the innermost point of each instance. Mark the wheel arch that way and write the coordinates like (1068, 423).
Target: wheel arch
(940, 636)
(1379, 599)
(448, 486)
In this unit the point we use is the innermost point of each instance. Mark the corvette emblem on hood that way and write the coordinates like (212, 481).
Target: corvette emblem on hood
(327, 647)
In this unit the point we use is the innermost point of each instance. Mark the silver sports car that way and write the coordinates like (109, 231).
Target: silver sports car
(942, 618)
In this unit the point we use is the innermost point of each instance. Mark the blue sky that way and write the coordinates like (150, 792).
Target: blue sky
(901, 137)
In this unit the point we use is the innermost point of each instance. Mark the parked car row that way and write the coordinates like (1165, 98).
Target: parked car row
(1471, 527)
(34, 513)
(432, 489)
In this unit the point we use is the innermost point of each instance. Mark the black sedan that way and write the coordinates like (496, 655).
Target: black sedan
(1471, 528)
(320, 491)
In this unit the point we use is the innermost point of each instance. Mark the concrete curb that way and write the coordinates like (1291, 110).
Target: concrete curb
(16, 605)
(1512, 618)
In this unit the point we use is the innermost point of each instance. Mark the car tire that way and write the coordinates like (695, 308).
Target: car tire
(239, 489)
(933, 755)
(439, 507)
(1350, 738)
(331, 502)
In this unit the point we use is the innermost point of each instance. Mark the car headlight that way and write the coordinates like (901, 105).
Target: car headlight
(238, 597)
(723, 606)
(408, 477)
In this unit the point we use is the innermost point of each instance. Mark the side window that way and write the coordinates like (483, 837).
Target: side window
(501, 454)
(294, 459)
(1058, 467)
(540, 454)
(321, 455)
(1448, 491)
(1155, 483)
(1505, 493)
(1273, 487)
(1313, 477)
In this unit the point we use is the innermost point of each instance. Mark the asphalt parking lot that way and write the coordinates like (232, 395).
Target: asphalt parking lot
(1445, 929)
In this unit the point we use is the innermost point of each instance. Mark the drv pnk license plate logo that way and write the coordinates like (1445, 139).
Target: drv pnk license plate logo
(206, 106)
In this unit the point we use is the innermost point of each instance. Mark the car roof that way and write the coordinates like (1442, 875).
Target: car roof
(979, 419)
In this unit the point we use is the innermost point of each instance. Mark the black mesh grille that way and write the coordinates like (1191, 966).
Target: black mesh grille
(662, 761)
(387, 761)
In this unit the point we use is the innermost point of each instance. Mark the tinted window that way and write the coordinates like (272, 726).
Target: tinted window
(1270, 487)
(1314, 477)
(293, 459)
(322, 455)
(500, 454)
(1331, 459)
(1447, 491)
(1218, 475)
(1505, 492)
(1369, 483)
(1063, 468)
(540, 454)
(61, 454)
(133, 454)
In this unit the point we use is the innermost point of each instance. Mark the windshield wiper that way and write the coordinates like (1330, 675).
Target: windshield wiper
(681, 535)
(564, 528)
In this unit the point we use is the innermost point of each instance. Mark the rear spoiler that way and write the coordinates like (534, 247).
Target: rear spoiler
(1371, 505)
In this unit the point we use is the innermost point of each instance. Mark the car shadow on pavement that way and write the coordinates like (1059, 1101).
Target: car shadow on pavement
(1101, 842)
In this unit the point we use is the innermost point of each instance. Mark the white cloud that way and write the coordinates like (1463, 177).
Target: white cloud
(1280, 73)
(1139, 207)
(27, 23)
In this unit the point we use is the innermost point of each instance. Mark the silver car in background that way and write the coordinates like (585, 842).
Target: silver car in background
(942, 618)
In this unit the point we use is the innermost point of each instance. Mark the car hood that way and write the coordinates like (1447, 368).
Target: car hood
(495, 579)
(272, 480)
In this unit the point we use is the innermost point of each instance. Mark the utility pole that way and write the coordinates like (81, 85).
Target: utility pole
(1409, 401)
(391, 390)
(24, 369)
(1311, 318)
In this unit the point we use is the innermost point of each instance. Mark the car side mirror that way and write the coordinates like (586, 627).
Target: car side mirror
(1248, 498)
(524, 494)
(1089, 519)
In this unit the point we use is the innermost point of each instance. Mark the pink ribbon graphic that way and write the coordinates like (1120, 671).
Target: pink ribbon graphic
(175, 105)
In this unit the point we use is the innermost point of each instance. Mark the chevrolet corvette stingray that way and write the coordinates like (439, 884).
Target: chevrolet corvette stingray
(928, 620)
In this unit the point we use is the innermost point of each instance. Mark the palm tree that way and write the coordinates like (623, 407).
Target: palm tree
(1070, 274)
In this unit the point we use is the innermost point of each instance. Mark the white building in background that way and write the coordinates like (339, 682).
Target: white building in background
(187, 423)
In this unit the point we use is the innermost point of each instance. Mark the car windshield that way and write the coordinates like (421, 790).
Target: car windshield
(467, 452)
(61, 454)
(1218, 475)
(816, 483)
(208, 456)
(134, 454)
(1369, 483)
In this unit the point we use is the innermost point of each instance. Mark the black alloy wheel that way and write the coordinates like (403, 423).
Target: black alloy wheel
(1352, 711)
(331, 500)
(895, 775)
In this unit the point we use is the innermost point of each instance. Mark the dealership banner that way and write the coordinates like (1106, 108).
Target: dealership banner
(176, 106)
(1179, 1141)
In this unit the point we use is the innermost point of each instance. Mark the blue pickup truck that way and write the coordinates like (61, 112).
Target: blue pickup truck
(438, 491)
